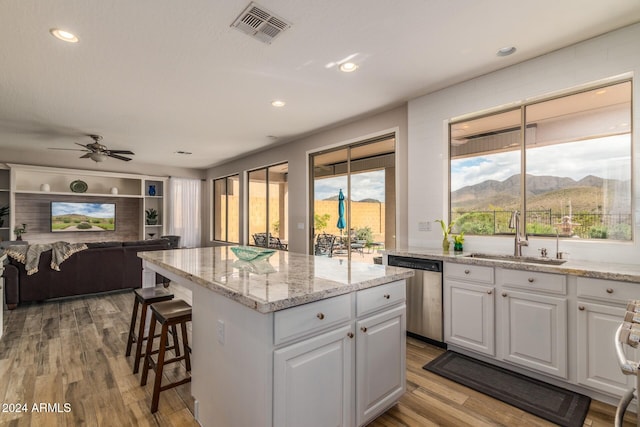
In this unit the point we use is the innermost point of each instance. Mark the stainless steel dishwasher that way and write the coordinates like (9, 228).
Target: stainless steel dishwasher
(424, 298)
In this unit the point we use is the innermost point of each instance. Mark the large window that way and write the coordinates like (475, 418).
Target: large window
(268, 206)
(575, 151)
(226, 209)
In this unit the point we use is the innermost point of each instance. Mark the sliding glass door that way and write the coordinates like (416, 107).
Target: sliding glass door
(353, 199)
(268, 200)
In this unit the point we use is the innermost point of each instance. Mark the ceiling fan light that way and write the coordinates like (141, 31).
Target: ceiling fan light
(98, 157)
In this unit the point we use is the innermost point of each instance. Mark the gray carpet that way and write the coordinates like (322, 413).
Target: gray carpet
(555, 404)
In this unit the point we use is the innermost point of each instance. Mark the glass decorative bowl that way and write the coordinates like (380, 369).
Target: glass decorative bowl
(252, 253)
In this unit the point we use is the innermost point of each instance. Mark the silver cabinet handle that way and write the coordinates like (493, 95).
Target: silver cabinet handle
(530, 279)
(363, 329)
(489, 291)
(320, 316)
(609, 290)
(581, 307)
(504, 294)
(350, 334)
(387, 296)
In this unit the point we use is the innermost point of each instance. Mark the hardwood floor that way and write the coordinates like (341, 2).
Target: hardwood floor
(72, 352)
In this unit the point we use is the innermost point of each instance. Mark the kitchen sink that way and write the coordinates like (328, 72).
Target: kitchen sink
(525, 259)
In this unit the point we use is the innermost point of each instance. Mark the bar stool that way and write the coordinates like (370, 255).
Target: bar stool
(168, 314)
(146, 297)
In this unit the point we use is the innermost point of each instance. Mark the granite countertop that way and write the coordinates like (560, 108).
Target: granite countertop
(284, 280)
(593, 269)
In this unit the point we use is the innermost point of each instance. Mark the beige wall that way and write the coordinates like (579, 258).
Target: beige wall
(296, 153)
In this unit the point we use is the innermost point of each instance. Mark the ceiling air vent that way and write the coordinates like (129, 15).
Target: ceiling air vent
(260, 24)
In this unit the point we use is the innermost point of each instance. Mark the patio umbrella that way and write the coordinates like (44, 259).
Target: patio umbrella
(341, 221)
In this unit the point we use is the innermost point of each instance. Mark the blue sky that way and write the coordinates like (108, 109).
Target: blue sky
(604, 157)
(97, 210)
(367, 185)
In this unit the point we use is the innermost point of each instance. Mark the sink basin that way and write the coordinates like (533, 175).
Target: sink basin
(526, 259)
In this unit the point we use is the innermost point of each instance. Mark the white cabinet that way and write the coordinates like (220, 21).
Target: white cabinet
(380, 362)
(333, 371)
(313, 381)
(597, 362)
(534, 331)
(534, 323)
(470, 316)
(469, 313)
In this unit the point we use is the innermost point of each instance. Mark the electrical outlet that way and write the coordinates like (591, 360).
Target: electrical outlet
(220, 330)
(424, 226)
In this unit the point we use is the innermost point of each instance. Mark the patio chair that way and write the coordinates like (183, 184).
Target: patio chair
(276, 243)
(324, 244)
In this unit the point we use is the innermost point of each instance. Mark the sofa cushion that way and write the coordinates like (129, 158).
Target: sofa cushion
(91, 245)
(153, 242)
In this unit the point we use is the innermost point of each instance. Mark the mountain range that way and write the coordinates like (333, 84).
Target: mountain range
(589, 194)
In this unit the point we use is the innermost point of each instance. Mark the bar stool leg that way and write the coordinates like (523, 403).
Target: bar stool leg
(185, 344)
(132, 328)
(176, 346)
(147, 356)
(157, 384)
(143, 321)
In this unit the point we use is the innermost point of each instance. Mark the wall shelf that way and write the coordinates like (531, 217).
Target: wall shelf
(24, 182)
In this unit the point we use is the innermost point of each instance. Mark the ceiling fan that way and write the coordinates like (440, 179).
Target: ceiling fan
(98, 152)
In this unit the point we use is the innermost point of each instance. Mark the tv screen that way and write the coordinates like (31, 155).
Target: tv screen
(83, 216)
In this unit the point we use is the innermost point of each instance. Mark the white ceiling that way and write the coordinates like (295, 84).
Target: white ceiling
(157, 76)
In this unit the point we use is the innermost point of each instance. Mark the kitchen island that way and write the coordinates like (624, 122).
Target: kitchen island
(292, 340)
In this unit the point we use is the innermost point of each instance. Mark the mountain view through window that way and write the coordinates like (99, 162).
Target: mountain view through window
(576, 154)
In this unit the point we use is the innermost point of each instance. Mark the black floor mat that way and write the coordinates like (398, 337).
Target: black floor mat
(555, 404)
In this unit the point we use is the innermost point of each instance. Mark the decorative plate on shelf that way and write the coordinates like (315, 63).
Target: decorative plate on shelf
(78, 186)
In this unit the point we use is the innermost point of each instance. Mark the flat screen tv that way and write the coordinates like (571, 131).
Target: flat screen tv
(82, 216)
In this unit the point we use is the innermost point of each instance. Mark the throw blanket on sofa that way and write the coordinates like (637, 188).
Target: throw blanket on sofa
(29, 255)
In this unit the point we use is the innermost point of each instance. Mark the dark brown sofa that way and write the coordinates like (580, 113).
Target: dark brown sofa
(105, 266)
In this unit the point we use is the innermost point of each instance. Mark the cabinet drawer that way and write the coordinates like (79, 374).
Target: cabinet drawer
(466, 272)
(373, 299)
(533, 280)
(608, 290)
(299, 321)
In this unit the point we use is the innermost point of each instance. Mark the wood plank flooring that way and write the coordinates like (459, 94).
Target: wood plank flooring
(72, 351)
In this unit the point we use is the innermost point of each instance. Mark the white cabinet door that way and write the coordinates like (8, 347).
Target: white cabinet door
(597, 361)
(470, 316)
(534, 331)
(380, 362)
(313, 381)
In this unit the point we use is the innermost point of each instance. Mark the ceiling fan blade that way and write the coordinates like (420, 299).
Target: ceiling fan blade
(86, 147)
(121, 152)
(115, 156)
(67, 149)
(86, 156)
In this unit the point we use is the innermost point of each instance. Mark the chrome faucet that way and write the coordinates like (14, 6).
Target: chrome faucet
(514, 222)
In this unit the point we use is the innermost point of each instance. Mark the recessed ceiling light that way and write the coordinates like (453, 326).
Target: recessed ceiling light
(63, 35)
(601, 92)
(278, 103)
(506, 51)
(348, 67)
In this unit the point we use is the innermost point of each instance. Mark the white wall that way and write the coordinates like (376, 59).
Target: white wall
(296, 153)
(612, 54)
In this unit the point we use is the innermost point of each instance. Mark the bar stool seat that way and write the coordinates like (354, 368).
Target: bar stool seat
(168, 314)
(145, 297)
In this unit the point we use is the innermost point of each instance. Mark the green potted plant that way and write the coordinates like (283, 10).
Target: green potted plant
(4, 211)
(446, 230)
(19, 231)
(458, 241)
(152, 216)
